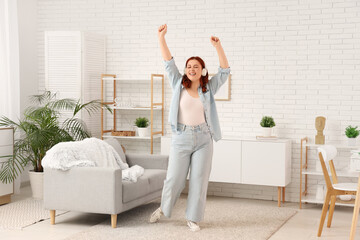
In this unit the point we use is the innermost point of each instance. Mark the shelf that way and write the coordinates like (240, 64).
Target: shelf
(312, 145)
(312, 199)
(157, 108)
(108, 135)
(130, 80)
(339, 174)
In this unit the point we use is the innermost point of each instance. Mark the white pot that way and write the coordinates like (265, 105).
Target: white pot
(352, 141)
(320, 192)
(345, 197)
(143, 132)
(267, 131)
(37, 184)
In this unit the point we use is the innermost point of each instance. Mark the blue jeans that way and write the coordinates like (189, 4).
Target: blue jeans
(191, 148)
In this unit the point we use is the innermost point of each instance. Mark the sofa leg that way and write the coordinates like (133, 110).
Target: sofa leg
(113, 220)
(52, 217)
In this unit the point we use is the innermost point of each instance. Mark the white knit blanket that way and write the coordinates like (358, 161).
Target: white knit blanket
(90, 152)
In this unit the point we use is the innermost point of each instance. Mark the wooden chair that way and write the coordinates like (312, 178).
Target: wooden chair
(326, 154)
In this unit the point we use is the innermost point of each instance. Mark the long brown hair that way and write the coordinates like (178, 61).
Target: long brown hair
(186, 82)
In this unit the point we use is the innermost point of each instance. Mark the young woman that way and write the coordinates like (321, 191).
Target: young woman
(194, 122)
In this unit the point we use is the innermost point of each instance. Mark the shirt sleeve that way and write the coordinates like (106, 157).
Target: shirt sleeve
(172, 72)
(219, 79)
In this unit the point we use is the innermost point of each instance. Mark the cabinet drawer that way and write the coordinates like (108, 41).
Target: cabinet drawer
(6, 137)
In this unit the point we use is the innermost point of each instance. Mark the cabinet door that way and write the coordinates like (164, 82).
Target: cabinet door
(263, 163)
(226, 163)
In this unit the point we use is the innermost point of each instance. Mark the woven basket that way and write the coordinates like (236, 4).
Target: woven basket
(123, 133)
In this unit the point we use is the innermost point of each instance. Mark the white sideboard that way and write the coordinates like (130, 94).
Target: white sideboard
(249, 161)
(6, 149)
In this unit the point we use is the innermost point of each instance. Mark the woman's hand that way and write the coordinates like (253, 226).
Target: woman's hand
(165, 52)
(215, 41)
(162, 31)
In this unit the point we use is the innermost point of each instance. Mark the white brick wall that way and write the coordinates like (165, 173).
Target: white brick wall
(294, 60)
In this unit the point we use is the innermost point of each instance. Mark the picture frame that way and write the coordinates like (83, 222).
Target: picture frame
(224, 92)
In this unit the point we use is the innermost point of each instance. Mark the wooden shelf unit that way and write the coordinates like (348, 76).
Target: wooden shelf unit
(304, 173)
(154, 106)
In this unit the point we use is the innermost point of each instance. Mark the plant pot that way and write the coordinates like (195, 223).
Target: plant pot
(143, 132)
(320, 192)
(351, 141)
(267, 131)
(37, 184)
(345, 197)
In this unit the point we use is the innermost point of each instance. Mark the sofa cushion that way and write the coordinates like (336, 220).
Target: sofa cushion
(152, 180)
(116, 145)
(135, 190)
(156, 178)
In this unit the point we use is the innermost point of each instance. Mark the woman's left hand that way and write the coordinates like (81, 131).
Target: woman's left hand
(215, 41)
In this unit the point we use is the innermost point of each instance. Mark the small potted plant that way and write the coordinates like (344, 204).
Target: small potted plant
(142, 123)
(352, 133)
(267, 123)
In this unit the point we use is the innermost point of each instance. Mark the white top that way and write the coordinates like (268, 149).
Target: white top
(191, 110)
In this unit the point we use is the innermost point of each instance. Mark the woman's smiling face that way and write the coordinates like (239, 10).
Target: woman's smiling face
(193, 70)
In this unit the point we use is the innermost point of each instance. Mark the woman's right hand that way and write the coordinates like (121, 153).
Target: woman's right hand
(162, 31)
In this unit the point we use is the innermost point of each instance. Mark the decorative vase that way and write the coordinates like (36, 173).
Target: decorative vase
(37, 184)
(143, 132)
(267, 131)
(352, 141)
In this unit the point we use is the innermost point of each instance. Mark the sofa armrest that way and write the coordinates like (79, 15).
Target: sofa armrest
(148, 161)
(83, 189)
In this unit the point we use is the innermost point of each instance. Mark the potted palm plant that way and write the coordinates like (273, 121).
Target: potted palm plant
(267, 123)
(142, 123)
(352, 133)
(39, 130)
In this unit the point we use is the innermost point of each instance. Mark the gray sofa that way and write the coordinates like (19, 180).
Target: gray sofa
(101, 190)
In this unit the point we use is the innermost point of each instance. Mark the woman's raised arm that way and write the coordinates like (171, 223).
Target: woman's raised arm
(165, 52)
(215, 41)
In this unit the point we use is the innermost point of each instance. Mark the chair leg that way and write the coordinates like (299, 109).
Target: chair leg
(113, 220)
(52, 217)
(323, 213)
(331, 210)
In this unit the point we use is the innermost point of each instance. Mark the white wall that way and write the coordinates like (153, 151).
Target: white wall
(27, 19)
(293, 60)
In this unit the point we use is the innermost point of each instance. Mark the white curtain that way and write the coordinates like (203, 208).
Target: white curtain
(9, 60)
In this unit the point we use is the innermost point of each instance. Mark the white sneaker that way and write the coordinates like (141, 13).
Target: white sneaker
(155, 216)
(193, 226)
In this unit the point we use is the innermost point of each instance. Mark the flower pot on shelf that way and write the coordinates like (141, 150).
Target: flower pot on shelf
(267, 131)
(37, 184)
(143, 132)
(351, 141)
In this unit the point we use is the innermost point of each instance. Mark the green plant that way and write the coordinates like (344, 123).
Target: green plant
(41, 128)
(352, 132)
(142, 122)
(267, 121)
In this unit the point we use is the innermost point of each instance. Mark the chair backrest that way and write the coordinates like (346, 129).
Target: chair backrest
(326, 154)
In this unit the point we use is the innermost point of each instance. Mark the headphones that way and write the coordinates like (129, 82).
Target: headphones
(203, 72)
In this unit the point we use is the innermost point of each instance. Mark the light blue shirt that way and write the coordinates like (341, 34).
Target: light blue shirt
(206, 98)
